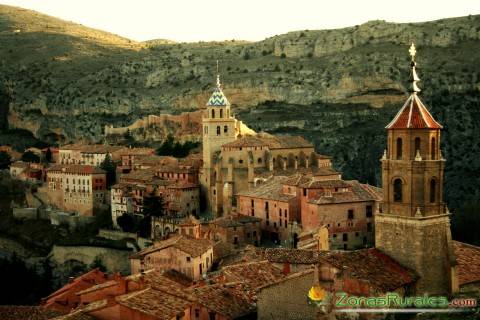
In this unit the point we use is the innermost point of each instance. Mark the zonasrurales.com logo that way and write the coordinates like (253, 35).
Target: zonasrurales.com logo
(388, 303)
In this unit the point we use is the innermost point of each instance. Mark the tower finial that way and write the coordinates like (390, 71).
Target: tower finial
(413, 74)
(218, 78)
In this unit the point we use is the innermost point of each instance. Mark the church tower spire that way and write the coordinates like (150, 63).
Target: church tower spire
(414, 225)
(219, 128)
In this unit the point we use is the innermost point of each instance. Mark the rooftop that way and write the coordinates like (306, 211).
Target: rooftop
(26, 312)
(382, 272)
(468, 260)
(194, 247)
(76, 168)
(413, 115)
(270, 189)
(270, 141)
(357, 192)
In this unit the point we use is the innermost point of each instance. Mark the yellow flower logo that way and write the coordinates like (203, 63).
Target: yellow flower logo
(316, 293)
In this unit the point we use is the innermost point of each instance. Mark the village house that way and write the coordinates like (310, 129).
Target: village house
(80, 188)
(87, 154)
(181, 197)
(292, 206)
(27, 171)
(65, 299)
(192, 257)
(235, 229)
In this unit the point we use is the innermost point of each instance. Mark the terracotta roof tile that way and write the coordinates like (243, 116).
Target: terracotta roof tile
(382, 272)
(270, 189)
(76, 168)
(413, 115)
(194, 247)
(468, 260)
(26, 312)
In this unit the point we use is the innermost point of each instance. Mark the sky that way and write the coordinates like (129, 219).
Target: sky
(208, 20)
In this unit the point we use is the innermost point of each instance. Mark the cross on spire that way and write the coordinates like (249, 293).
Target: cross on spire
(218, 78)
(413, 74)
(412, 51)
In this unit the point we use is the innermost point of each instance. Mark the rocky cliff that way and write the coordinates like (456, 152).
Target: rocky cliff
(336, 87)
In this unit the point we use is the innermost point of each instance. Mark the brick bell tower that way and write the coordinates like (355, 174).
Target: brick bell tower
(413, 226)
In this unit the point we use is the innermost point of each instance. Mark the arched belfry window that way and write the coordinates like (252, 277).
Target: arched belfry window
(433, 149)
(213, 113)
(218, 130)
(225, 129)
(221, 113)
(433, 190)
(397, 190)
(399, 148)
(417, 144)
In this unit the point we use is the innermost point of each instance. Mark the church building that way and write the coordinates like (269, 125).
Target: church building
(235, 157)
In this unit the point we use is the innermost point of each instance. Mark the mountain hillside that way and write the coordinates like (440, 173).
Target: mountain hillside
(339, 88)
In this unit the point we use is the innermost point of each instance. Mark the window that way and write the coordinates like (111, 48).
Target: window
(369, 210)
(280, 222)
(188, 259)
(433, 190)
(286, 224)
(197, 313)
(221, 113)
(417, 144)
(356, 234)
(218, 130)
(304, 192)
(369, 226)
(225, 129)
(240, 161)
(334, 235)
(350, 214)
(399, 148)
(213, 113)
(235, 240)
(266, 205)
(397, 190)
(274, 224)
(259, 160)
(433, 149)
(254, 233)
(345, 237)
(267, 215)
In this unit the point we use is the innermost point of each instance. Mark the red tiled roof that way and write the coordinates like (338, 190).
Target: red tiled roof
(468, 260)
(26, 312)
(382, 272)
(413, 115)
(76, 168)
(159, 304)
(194, 247)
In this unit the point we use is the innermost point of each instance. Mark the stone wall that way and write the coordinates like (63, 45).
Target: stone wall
(421, 245)
(114, 260)
(25, 213)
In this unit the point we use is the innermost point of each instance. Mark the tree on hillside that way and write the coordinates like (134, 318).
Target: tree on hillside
(5, 160)
(110, 167)
(98, 263)
(48, 155)
(154, 207)
(176, 149)
(126, 222)
(29, 156)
